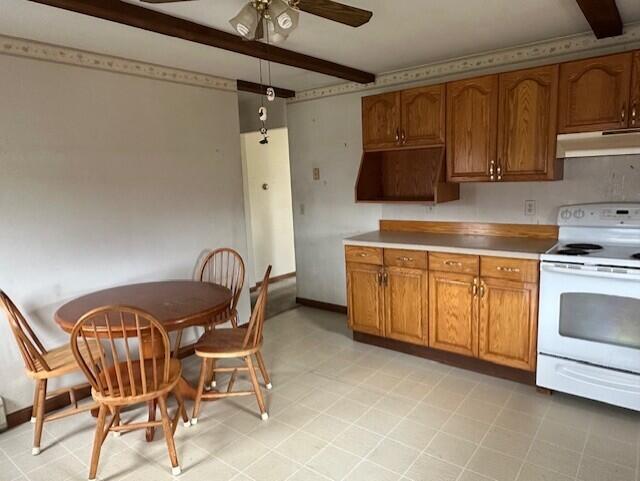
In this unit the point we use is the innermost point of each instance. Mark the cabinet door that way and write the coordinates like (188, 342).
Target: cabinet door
(364, 298)
(594, 93)
(406, 295)
(527, 124)
(508, 323)
(634, 119)
(381, 121)
(423, 112)
(472, 120)
(453, 313)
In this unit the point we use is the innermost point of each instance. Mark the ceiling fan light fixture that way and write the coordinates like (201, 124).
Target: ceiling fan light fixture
(247, 21)
(284, 18)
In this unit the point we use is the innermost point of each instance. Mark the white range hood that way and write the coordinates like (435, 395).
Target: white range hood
(592, 144)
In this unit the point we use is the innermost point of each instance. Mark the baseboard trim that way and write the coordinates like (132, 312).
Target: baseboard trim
(325, 306)
(62, 400)
(52, 404)
(449, 358)
(273, 280)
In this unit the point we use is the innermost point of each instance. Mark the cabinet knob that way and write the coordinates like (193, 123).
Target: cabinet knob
(405, 259)
(633, 114)
(363, 254)
(397, 135)
(404, 137)
(623, 114)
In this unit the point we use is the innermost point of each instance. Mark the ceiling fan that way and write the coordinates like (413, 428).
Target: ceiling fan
(282, 16)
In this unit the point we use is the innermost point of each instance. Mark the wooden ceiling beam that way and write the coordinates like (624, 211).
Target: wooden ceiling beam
(603, 17)
(261, 89)
(158, 22)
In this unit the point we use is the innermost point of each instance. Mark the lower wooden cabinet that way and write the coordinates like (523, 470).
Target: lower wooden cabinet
(490, 313)
(365, 298)
(508, 323)
(405, 303)
(453, 312)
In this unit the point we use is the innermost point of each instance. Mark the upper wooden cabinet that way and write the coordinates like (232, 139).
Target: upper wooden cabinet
(405, 119)
(634, 118)
(503, 127)
(381, 121)
(594, 93)
(472, 122)
(527, 125)
(423, 112)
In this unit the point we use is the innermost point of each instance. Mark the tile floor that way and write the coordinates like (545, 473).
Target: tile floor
(346, 411)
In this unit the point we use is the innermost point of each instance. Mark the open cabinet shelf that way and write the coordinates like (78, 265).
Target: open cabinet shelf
(414, 176)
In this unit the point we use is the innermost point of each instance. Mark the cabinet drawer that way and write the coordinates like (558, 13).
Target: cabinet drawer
(507, 268)
(405, 258)
(364, 255)
(461, 263)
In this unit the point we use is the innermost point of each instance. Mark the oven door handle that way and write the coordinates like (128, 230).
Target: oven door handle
(591, 273)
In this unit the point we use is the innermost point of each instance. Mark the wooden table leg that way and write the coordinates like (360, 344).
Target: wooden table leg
(152, 417)
(185, 388)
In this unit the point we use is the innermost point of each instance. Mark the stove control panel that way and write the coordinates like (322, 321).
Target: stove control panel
(600, 215)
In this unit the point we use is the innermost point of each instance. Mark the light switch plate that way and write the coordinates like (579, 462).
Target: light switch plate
(316, 173)
(529, 207)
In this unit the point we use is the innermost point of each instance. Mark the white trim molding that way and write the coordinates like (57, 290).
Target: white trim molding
(80, 58)
(581, 45)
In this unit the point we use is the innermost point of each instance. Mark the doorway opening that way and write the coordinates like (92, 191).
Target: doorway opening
(268, 202)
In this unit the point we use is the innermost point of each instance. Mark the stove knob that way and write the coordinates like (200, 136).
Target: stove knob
(565, 214)
(578, 214)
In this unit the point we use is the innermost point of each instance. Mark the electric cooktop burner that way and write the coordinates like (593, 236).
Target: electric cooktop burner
(586, 247)
(636, 256)
(572, 252)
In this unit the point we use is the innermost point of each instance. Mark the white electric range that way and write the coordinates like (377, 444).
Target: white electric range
(589, 310)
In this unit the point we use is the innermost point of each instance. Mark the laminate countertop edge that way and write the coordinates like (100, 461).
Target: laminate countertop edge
(520, 248)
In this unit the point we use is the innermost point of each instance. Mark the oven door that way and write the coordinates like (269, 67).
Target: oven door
(590, 314)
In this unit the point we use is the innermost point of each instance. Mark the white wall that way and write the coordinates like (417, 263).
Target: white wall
(326, 133)
(107, 179)
(269, 212)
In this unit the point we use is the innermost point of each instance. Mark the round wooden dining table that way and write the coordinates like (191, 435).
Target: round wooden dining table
(176, 304)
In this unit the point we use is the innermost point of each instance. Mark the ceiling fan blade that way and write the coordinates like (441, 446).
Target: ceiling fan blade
(164, 1)
(355, 17)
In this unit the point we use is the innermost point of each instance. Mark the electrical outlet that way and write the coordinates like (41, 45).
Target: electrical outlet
(316, 173)
(529, 207)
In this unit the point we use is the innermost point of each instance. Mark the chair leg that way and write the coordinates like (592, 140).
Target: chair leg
(256, 387)
(168, 434)
(183, 410)
(34, 411)
(234, 320)
(263, 370)
(98, 439)
(199, 390)
(37, 433)
(116, 421)
(211, 383)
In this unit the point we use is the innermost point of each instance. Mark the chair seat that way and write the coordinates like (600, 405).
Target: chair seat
(61, 361)
(224, 343)
(127, 395)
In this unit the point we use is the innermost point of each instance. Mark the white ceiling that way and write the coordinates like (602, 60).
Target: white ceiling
(402, 33)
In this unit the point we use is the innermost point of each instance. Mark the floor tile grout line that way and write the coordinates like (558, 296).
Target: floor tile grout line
(20, 470)
(533, 440)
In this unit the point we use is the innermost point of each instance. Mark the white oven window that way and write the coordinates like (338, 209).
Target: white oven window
(601, 318)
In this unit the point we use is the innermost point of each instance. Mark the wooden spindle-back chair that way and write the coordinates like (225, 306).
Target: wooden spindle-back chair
(42, 364)
(239, 343)
(225, 267)
(133, 366)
